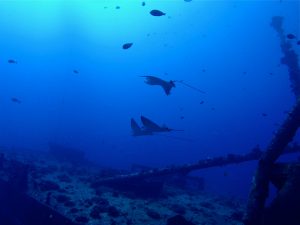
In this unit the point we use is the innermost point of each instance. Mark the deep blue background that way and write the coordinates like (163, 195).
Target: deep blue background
(226, 48)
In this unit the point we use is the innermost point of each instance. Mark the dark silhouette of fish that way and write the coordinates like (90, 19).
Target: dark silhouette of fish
(298, 42)
(12, 61)
(156, 12)
(76, 71)
(137, 130)
(16, 100)
(127, 45)
(153, 127)
(166, 85)
(291, 36)
(143, 3)
(148, 128)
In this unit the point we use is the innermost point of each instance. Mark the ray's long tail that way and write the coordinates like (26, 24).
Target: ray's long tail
(189, 86)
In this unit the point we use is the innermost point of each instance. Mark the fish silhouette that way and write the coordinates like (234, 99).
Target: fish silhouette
(137, 130)
(16, 100)
(148, 128)
(12, 61)
(156, 12)
(166, 85)
(127, 45)
(153, 127)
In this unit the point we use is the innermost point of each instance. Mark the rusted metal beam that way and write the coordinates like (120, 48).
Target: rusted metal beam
(254, 154)
(260, 186)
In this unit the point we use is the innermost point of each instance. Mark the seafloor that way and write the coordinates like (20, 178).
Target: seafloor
(69, 188)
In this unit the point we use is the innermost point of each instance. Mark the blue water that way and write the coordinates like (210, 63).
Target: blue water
(226, 48)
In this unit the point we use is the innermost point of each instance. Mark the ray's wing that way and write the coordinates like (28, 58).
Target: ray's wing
(167, 86)
(136, 130)
(151, 80)
(149, 125)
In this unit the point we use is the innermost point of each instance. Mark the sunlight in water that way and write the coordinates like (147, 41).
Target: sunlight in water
(97, 20)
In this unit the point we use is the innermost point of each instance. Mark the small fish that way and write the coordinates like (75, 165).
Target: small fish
(127, 45)
(201, 102)
(16, 100)
(76, 71)
(12, 61)
(264, 114)
(291, 36)
(156, 12)
(182, 117)
(118, 7)
(143, 3)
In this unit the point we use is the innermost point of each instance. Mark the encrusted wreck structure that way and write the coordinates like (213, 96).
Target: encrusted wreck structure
(285, 176)
(290, 57)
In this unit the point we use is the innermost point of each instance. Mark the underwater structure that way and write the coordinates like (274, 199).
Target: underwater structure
(285, 176)
(290, 58)
(60, 187)
(40, 189)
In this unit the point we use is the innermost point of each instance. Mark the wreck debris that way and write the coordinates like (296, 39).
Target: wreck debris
(66, 154)
(288, 184)
(290, 57)
(256, 212)
(260, 187)
(255, 154)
